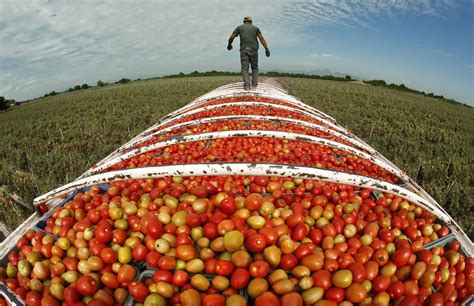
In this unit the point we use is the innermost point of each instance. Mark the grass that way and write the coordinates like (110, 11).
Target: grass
(51, 141)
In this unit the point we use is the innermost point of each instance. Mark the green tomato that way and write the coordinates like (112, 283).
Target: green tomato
(124, 255)
(33, 257)
(155, 300)
(24, 268)
(11, 271)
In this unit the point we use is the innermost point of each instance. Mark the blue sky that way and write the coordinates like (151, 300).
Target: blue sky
(54, 45)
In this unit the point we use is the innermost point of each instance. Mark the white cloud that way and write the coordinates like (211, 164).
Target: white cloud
(328, 56)
(443, 53)
(52, 45)
(360, 12)
(323, 55)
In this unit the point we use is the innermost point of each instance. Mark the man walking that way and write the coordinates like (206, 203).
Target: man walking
(248, 50)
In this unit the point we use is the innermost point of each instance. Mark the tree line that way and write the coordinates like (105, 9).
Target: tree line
(6, 104)
(402, 87)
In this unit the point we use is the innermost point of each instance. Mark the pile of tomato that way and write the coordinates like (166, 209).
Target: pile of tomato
(240, 124)
(237, 240)
(260, 150)
(260, 99)
(256, 110)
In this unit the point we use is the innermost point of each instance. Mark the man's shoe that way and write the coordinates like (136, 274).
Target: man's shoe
(246, 87)
(254, 87)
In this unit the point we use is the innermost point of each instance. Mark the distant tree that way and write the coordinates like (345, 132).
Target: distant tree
(4, 103)
(348, 77)
(77, 87)
(53, 93)
(123, 81)
(84, 86)
(100, 83)
(377, 82)
(70, 89)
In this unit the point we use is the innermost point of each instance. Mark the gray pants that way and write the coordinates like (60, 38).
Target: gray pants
(249, 56)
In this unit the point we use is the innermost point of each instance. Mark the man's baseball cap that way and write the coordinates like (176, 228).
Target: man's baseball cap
(247, 18)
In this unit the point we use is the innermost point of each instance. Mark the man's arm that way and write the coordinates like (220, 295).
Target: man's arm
(264, 44)
(231, 39)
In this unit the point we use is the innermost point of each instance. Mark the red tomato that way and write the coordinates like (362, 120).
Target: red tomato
(87, 285)
(316, 235)
(139, 252)
(253, 202)
(299, 232)
(213, 300)
(210, 266)
(70, 263)
(97, 248)
(410, 301)
(401, 256)
(381, 257)
(167, 263)
(49, 300)
(239, 279)
(358, 272)
(396, 289)
(138, 291)
(288, 261)
(356, 293)
(185, 252)
(292, 299)
(255, 243)
(155, 229)
(109, 279)
(103, 234)
(224, 267)
(93, 216)
(182, 239)
(335, 294)
(180, 278)
(411, 288)
(126, 274)
(381, 283)
(210, 231)
(163, 276)
(193, 220)
(228, 205)
(270, 235)
(303, 250)
(119, 236)
(108, 255)
(322, 278)
(33, 298)
(267, 299)
(152, 259)
(437, 299)
(259, 269)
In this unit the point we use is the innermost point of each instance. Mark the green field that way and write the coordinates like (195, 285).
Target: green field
(51, 141)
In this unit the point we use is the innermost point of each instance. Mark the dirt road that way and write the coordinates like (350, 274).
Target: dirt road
(272, 81)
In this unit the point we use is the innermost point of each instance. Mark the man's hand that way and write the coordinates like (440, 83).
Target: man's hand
(267, 52)
(229, 47)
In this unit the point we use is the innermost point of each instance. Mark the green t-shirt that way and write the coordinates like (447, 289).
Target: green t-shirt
(248, 36)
